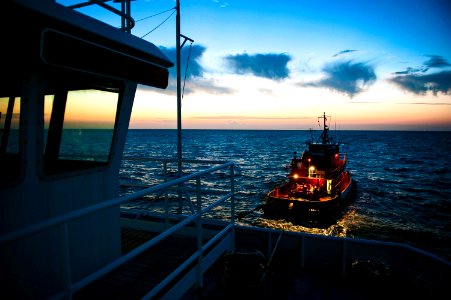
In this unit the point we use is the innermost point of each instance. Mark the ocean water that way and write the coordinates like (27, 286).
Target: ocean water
(403, 178)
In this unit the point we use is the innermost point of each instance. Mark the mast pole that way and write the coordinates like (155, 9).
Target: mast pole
(179, 97)
(325, 134)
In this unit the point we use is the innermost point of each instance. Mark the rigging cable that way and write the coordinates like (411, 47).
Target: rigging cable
(190, 46)
(159, 24)
(186, 70)
(145, 18)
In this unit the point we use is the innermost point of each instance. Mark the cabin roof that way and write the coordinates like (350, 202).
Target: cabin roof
(57, 38)
(84, 22)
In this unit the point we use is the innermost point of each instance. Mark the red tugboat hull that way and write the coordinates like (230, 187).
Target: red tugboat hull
(283, 205)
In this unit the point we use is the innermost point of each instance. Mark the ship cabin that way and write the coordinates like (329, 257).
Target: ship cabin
(61, 72)
(319, 161)
(319, 168)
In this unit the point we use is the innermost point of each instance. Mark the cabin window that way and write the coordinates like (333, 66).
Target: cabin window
(9, 125)
(312, 172)
(9, 139)
(78, 129)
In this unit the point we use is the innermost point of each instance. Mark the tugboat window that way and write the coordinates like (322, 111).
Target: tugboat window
(78, 129)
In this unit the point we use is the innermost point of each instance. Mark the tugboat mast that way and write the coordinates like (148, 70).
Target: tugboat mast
(325, 134)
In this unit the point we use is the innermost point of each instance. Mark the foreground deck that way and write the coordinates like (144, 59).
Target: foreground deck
(283, 274)
(134, 279)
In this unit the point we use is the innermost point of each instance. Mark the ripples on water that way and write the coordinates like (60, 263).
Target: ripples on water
(403, 178)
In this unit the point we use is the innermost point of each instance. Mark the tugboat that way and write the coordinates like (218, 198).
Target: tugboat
(318, 182)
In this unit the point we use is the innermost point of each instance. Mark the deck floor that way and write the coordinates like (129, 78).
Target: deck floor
(280, 280)
(137, 277)
(283, 283)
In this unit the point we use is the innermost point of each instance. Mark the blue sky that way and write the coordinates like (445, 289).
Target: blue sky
(280, 64)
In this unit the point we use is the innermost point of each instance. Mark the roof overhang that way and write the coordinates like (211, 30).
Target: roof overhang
(61, 37)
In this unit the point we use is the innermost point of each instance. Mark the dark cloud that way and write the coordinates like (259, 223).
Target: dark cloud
(417, 80)
(347, 77)
(194, 73)
(437, 61)
(423, 83)
(410, 70)
(343, 52)
(194, 68)
(272, 66)
(434, 61)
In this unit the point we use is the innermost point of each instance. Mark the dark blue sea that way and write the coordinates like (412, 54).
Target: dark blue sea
(403, 178)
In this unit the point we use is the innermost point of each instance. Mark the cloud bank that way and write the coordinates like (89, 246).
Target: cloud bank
(349, 77)
(421, 84)
(194, 74)
(194, 54)
(346, 77)
(271, 66)
(419, 81)
(436, 61)
(344, 52)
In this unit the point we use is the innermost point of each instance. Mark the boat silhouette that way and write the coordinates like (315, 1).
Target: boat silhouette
(318, 183)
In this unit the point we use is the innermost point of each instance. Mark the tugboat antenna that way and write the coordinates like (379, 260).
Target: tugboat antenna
(325, 134)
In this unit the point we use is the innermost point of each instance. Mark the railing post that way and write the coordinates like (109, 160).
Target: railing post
(345, 258)
(303, 252)
(180, 193)
(200, 282)
(232, 203)
(166, 205)
(65, 256)
(232, 191)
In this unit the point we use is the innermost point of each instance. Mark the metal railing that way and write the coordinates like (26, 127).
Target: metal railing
(184, 193)
(314, 249)
(225, 235)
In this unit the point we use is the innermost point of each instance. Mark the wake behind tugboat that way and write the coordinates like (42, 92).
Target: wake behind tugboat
(318, 183)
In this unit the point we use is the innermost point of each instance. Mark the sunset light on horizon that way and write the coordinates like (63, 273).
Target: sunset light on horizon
(370, 65)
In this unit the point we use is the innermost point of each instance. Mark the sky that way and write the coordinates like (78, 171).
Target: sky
(369, 65)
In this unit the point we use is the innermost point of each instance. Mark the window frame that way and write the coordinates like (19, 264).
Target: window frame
(50, 166)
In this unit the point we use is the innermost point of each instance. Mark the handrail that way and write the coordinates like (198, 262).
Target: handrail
(71, 287)
(183, 189)
(123, 15)
(174, 274)
(352, 242)
(174, 160)
(342, 178)
(140, 249)
(35, 228)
